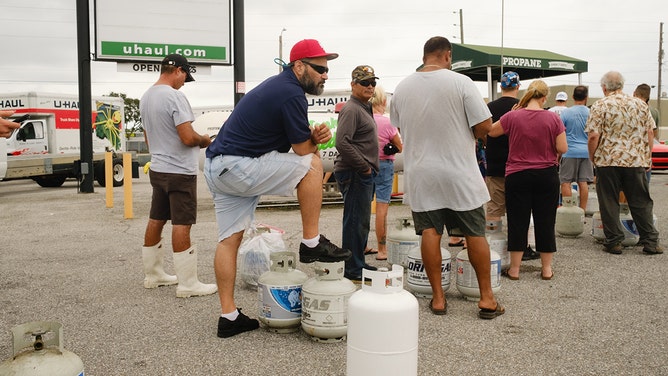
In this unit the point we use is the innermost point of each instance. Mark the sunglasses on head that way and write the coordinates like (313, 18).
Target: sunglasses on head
(318, 68)
(366, 83)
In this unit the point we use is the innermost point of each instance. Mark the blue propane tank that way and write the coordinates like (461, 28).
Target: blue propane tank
(382, 327)
(325, 303)
(39, 351)
(279, 294)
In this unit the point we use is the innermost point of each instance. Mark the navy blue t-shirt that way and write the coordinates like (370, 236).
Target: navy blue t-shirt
(272, 116)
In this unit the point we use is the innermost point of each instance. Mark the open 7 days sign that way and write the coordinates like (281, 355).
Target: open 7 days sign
(148, 30)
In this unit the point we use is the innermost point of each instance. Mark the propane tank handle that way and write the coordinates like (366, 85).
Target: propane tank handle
(38, 335)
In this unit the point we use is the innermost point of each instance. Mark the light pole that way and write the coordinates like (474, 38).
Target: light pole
(280, 50)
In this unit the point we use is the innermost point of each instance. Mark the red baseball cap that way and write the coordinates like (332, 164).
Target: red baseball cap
(309, 48)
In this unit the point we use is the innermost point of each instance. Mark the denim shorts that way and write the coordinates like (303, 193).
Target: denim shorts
(237, 183)
(384, 181)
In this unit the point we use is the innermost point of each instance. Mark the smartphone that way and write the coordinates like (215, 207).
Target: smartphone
(21, 119)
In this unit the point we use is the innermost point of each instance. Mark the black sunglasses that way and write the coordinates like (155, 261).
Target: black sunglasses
(366, 83)
(318, 68)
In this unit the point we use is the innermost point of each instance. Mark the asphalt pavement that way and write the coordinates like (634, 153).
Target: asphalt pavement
(66, 257)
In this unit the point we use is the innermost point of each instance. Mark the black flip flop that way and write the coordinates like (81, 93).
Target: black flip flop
(436, 311)
(370, 251)
(460, 243)
(488, 314)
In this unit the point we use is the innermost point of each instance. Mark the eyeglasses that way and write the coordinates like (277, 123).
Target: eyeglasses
(318, 68)
(366, 83)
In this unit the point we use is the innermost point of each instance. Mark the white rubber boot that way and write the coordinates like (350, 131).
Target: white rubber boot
(154, 272)
(185, 264)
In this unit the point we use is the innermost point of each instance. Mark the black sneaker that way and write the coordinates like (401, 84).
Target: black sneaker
(530, 254)
(228, 328)
(325, 251)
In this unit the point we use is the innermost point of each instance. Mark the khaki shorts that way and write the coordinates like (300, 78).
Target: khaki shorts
(174, 198)
(458, 223)
(496, 207)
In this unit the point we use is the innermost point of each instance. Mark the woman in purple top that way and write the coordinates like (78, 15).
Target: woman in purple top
(536, 140)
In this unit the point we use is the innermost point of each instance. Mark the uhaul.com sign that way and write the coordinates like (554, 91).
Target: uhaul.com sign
(130, 30)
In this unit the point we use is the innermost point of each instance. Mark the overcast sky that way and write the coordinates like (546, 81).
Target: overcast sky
(38, 39)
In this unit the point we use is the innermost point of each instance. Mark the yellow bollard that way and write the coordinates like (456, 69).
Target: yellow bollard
(127, 185)
(108, 179)
(395, 183)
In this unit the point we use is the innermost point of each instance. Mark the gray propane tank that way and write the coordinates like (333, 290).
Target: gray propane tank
(416, 277)
(570, 219)
(400, 240)
(279, 293)
(325, 303)
(467, 282)
(592, 201)
(43, 356)
(383, 321)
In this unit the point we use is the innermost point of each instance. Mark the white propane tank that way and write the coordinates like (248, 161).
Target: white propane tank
(416, 277)
(467, 282)
(597, 227)
(498, 241)
(279, 293)
(400, 240)
(325, 303)
(592, 201)
(39, 351)
(383, 321)
(631, 236)
(570, 219)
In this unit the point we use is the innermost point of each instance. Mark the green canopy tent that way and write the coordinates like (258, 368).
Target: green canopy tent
(487, 63)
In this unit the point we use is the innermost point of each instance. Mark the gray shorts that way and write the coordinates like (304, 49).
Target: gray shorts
(575, 170)
(237, 183)
(458, 223)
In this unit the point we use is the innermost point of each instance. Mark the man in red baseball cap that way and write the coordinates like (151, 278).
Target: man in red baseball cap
(250, 158)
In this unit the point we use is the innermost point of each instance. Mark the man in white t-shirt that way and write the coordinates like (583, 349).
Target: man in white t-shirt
(174, 145)
(441, 114)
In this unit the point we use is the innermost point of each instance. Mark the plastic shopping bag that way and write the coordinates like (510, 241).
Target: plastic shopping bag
(260, 242)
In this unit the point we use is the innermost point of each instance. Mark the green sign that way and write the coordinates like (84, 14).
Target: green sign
(141, 51)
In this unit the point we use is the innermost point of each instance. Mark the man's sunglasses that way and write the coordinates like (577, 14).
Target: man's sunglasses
(366, 83)
(318, 68)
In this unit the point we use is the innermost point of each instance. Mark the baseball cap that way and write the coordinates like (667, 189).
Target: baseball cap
(309, 48)
(181, 62)
(510, 79)
(363, 72)
(561, 96)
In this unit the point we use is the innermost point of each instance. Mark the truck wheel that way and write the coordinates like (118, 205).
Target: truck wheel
(117, 173)
(50, 181)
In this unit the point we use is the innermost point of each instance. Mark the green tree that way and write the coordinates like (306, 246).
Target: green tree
(132, 117)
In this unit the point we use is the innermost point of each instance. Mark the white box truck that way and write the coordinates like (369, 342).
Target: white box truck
(47, 146)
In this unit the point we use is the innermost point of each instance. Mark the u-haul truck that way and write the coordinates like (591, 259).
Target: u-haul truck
(47, 146)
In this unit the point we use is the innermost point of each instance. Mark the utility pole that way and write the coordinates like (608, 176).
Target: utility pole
(658, 83)
(461, 26)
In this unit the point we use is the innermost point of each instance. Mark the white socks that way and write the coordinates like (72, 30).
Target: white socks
(311, 243)
(231, 316)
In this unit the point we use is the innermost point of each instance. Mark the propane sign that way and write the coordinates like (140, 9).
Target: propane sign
(148, 30)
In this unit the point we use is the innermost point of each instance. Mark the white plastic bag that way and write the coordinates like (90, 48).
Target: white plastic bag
(260, 242)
